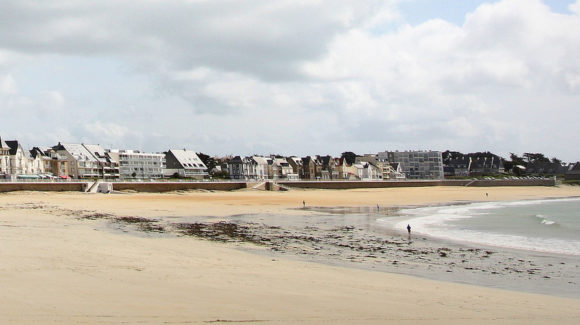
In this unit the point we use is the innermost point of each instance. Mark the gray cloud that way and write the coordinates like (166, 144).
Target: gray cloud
(266, 39)
(294, 77)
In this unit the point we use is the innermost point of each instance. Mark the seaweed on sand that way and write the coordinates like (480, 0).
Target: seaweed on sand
(96, 216)
(143, 224)
(219, 231)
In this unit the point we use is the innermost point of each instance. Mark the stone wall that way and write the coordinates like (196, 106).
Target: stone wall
(502, 182)
(388, 184)
(48, 187)
(230, 186)
(178, 186)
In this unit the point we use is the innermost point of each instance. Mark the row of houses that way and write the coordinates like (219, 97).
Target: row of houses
(470, 166)
(381, 166)
(92, 161)
(456, 164)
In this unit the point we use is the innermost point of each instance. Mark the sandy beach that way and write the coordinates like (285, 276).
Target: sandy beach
(75, 258)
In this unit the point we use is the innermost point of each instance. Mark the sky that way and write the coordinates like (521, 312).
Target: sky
(293, 77)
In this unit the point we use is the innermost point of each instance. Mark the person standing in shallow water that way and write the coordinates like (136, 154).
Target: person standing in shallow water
(409, 229)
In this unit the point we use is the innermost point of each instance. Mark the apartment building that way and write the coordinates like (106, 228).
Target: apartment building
(134, 164)
(88, 161)
(416, 164)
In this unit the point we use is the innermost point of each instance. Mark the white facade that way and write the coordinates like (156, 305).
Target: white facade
(36, 164)
(140, 165)
(4, 159)
(258, 167)
(367, 171)
(19, 160)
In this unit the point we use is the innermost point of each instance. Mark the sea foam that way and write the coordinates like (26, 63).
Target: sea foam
(452, 223)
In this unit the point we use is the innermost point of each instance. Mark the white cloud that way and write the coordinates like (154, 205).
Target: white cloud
(54, 99)
(575, 7)
(7, 85)
(304, 76)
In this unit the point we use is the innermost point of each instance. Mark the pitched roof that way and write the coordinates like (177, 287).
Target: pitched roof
(325, 159)
(260, 160)
(35, 152)
(484, 162)
(77, 150)
(187, 158)
(13, 145)
(3, 144)
(546, 168)
(281, 162)
(575, 169)
(296, 160)
(98, 152)
(306, 160)
(459, 161)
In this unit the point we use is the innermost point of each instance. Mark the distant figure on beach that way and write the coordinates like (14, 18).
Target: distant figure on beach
(378, 208)
(486, 195)
(303, 204)
(409, 229)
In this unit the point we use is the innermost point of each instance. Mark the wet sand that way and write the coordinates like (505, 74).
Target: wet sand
(351, 237)
(146, 258)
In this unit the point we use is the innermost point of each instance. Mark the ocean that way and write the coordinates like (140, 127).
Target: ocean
(549, 226)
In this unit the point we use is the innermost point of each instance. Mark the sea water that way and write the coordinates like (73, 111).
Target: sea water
(550, 226)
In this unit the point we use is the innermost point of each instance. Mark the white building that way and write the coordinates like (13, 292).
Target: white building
(140, 165)
(258, 167)
(365, 171)
(4, 159)
(19, 162)
(37, 162)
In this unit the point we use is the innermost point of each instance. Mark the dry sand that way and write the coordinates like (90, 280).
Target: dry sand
(58, 269)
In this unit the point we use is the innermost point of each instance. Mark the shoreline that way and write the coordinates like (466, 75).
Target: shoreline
(385, 249)
(70, 258)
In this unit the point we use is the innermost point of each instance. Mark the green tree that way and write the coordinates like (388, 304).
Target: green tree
(535, 157)
(208, 161)
(349, 156)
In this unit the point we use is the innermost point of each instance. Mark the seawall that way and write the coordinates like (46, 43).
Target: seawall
(43, 187)
(337, 185)
(266, 185)
(178, 186)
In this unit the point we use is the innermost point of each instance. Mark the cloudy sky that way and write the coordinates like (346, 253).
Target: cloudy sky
(293, 76)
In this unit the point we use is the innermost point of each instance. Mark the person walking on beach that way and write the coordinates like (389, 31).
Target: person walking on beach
(409, 229)
(303, 204)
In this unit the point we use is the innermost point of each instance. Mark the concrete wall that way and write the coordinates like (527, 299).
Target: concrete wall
(572, 177)
(178, 186)
(502, 182)
(28, 186)
(230, 186)
(387, 184)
